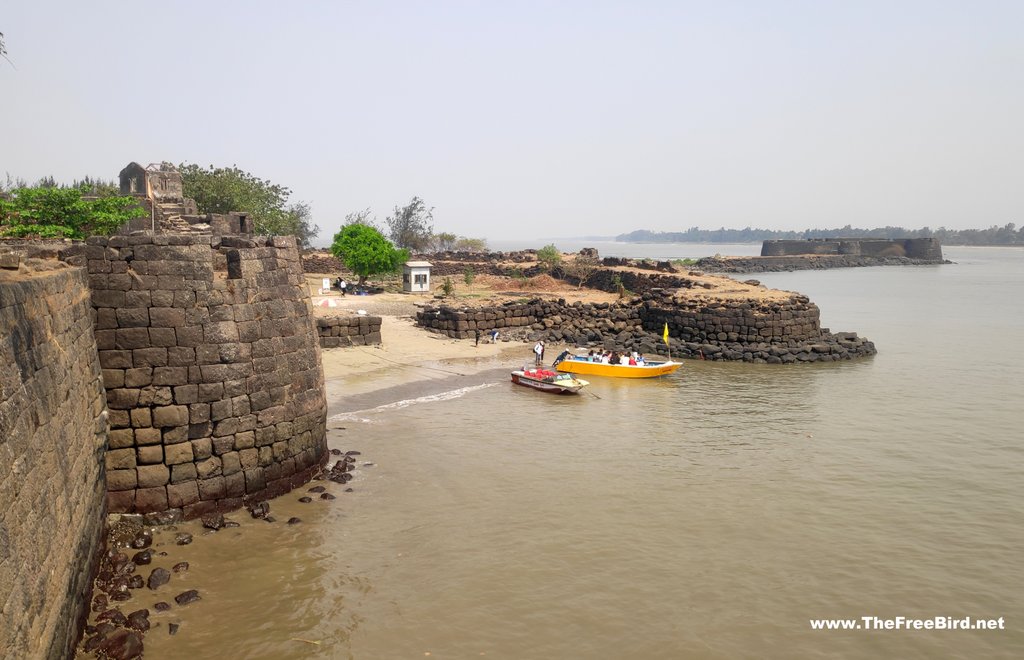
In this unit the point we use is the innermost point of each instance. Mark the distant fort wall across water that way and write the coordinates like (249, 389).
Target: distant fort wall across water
(912, 248)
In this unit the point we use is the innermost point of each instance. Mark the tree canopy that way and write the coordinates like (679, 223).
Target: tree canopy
(365, 251)
(549, 257)
(411, 226)
(226, 189)
(56, 212)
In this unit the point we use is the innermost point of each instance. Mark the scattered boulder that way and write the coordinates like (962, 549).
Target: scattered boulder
(305, 499)
(213, 521)
(142, 540)
(158, 578)
(180, 567)
(183, 539)
(172, 628)
(142, 558)
(186, 597)
(122, 644)
(139, 620)
(327, 496)
(259, 509)
(294, 521)
(162, 606)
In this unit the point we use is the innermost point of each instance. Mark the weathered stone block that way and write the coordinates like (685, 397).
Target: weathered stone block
(148, 500)
(150, 357)
(163, 337)
(164, 416)
(148, 436)
(230, 463)
(182, 494)
(120, 438)
(186, 394)
(223, 445)
(170, 376)
(183, 472)
(167, 317)
(120, 459)
(150, 455)
(138, 377)
(234, 484)
(220, 410)
(153, 475)
(178, 453)
(248, 458)
(202, 448)
(141, 417)
(131, 338)
(245, 440)
(213, 488)
(199, 412)
(175, 435)
(121, 479)
(121, 501)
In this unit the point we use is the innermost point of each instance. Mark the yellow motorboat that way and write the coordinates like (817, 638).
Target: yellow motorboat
(580, 364)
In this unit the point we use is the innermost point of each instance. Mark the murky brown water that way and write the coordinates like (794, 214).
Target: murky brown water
(708, 515)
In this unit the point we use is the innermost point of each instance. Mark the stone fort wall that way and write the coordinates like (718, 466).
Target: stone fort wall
(913, 248)
(53, 431)
(211, 364)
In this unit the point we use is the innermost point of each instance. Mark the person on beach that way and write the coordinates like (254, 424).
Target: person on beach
(538, 352)
(342, 285)
(494, 335)
(476, 337)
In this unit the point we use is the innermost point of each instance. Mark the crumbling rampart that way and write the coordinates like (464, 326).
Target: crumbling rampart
(341, 331)
(752, 330)
(53, 432)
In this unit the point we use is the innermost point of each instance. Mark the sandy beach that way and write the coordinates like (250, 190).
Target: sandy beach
(407, 353)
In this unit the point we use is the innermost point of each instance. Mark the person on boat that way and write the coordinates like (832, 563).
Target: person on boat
(624, 359)
(606, 357)
(640, 359)
(538, 353)
(632, 361)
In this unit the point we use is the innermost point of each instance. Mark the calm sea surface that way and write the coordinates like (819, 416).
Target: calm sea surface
(710, 514)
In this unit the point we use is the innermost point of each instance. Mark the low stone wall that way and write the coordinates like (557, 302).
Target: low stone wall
(806, 262)
(52, 435)
(749, 330)
(341, 331)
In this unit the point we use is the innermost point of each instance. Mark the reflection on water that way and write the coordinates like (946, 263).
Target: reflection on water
(711, 513)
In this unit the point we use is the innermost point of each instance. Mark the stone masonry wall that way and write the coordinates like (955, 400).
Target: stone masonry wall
(747, 330)
(914, 248)
(52, 435)
(342, 331)
(212, 369)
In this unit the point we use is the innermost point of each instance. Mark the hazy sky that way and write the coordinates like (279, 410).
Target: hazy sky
(541, 119)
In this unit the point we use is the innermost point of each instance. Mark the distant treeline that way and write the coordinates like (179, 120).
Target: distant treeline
(1007, 235)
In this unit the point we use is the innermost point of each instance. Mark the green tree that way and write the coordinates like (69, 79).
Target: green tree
(227, 189)
(411, 226)
(365, 251)
(549, 257)
(468, 276)
(51, 212)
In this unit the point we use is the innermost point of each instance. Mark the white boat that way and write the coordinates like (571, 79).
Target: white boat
(546, 380)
